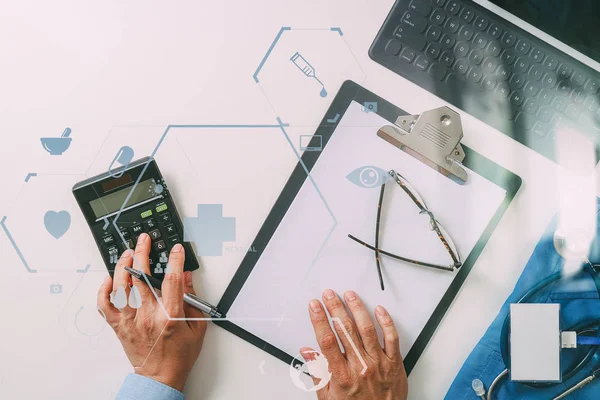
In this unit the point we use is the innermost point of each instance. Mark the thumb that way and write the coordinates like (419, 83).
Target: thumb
(192, 312)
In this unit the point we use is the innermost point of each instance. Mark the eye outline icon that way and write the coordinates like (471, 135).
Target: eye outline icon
(357, 176)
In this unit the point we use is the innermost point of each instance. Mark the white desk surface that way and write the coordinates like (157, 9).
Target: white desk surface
(118, 73)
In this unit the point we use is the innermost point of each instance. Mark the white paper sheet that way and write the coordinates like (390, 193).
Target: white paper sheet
(311, 251)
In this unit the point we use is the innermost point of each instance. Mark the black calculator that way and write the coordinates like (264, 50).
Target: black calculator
(137, 197)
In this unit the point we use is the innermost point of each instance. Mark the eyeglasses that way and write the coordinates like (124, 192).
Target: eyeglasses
(434, 223)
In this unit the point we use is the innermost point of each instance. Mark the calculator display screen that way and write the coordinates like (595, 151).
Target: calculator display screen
(113, 202)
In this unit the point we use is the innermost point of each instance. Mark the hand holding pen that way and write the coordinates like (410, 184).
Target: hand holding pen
(162, 346)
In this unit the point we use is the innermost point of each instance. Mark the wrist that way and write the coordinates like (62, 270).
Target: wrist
(175, 382)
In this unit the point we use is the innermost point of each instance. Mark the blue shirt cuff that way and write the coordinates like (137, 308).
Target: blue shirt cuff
(138, 387)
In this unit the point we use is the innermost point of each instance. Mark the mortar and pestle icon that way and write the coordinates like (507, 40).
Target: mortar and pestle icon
(57, 145)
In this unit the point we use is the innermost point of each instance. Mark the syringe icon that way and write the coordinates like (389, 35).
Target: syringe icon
(307, 70)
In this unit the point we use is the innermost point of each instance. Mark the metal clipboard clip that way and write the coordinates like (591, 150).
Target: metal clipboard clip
(433, 138)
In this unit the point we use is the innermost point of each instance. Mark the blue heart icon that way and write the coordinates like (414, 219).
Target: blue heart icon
(57, 223)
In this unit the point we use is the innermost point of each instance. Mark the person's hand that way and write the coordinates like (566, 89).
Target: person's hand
(157, 346)
(385, 377)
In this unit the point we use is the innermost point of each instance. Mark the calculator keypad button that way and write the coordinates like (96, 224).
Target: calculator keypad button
(137, 229)
(113, 254)
(173, 240)
(170, 229)
(154, 234)
(125, 233)
(128, 244)
(108, 240)
(150, 224)
(164, 217)
(160, 245)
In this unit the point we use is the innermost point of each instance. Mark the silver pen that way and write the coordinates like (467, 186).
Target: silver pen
(191, 299)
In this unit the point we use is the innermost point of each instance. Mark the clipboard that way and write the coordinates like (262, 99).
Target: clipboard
(351, 93)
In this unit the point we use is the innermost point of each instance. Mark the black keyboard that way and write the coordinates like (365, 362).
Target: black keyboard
(492, 69)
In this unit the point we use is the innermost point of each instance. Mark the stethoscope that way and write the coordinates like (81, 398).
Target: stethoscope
(568, 251)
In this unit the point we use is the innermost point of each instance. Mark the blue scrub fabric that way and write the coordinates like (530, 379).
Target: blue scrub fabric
(579, 302)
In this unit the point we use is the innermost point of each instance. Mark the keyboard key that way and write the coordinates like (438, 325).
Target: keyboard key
(549, 80)
(525, 120)
(508, 57)
(433, 50)
(542, 129)
(564, 71)
(438, 17)
(578, 96)
(420, 6)
(509, 39)
(523, 47)
(573, 112)
(488, 83)
(452, 25)
(551, 63)
(545, 97)
(517, 99)
(154, 234)
(411, 38)
(489, 65)
(447, 58)
(462, 49)
(503, 90)
(480, 41)
(591, 103)
(544, 114)
(393, 47)
(159, 246)
(438, 3)
(481, 23)
(437, 71)
(476, 57)
(433, 33)
(407, 55)
(495, 31)
(537, 55)
(517, 81)
(415, 21)
(467, 15)
(453, 7)
(578, 79)
(494, 49)
(466, 33)
(422, 63)
(591, 86)
(503, 72)
(536, 73)
(475, 74)
(532, 88)
(521, 65)
(563, 88)
(530, 106)
(447, 41)
(461, 66)
(560, 104)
